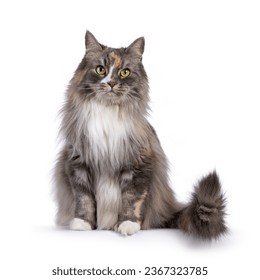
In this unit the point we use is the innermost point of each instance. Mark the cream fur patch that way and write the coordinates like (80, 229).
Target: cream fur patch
(128, 228)
(79, 224)
(108, 197)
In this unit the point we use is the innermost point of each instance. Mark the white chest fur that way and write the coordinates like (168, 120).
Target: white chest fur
(107, 132)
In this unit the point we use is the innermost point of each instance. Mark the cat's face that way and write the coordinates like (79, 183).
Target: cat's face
(112, 76)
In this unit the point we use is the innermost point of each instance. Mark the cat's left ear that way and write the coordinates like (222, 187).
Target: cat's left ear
(137, 48)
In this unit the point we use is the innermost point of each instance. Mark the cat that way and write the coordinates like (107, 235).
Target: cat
(112, 172)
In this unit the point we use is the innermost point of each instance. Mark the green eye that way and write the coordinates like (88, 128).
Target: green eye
(125, 73)
(100, 70)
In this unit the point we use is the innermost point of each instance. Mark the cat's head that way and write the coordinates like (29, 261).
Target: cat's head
(112, 76)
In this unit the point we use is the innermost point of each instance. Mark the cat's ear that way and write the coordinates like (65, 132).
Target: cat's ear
(91, 43)
(136, 48)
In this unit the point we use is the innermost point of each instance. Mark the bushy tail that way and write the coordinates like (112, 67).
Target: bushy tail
(204, 215)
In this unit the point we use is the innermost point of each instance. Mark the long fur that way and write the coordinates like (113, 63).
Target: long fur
(204, 215)
(112, 172)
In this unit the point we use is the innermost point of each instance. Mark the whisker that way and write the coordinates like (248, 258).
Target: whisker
(84, 87)
(87, 84)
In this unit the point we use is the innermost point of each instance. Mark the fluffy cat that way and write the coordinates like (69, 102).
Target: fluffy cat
(112, 171)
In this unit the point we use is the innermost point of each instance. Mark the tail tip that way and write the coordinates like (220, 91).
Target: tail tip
(208, 186)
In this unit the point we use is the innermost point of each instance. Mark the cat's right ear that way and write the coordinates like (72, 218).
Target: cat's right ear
(91, 43)
(136, 49)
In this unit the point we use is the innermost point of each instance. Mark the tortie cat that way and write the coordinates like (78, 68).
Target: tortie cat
(112, 171)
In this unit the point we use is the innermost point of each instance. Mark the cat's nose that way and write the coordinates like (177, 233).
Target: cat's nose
(111, 83)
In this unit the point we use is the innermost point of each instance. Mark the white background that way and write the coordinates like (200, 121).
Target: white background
(203, 62)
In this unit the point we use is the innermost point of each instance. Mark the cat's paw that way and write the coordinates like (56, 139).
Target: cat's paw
(79, 224)
(128, 228)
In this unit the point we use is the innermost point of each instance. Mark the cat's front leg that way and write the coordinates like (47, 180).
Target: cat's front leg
(132, 211)
(134, 196)
(84, 216)
(85, 204)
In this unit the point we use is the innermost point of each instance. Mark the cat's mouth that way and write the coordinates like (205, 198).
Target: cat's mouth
(114, 92)
(107, 91)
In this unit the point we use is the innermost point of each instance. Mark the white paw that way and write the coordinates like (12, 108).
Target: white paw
(79, 224)
(128, 228)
